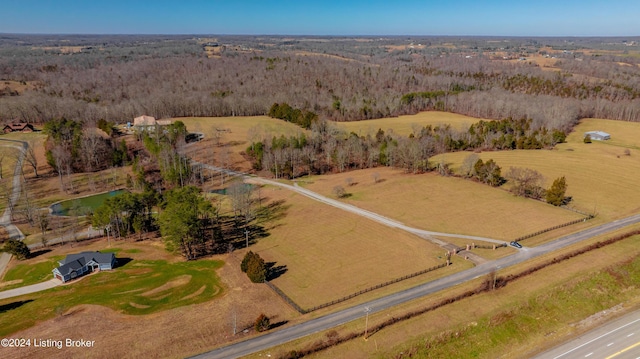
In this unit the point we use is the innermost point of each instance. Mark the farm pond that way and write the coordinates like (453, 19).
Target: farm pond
(83, 205)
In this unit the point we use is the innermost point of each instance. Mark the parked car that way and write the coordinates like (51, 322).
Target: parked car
(516, 244)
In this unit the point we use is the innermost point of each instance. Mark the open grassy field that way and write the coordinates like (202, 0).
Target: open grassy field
(229, 136)
(192, 306)
(444, 204)
(329, 253)
(601, 177)
(516, 321)
(405, 125)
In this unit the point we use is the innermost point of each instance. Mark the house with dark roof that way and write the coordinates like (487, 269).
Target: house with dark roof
(18, 127)
(78, 264)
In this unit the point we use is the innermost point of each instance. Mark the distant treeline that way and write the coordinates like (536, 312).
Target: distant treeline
(118, 78)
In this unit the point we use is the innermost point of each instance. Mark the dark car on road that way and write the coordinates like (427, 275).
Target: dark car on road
(516, 244)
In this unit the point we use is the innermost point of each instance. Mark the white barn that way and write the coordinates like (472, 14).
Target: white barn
(598, 135)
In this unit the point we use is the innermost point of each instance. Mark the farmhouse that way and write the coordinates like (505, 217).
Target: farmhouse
(79, 264)
(147, 123)
(598, 135)
(18, 127)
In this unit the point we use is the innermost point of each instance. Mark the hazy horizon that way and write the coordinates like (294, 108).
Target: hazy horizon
(496, 18)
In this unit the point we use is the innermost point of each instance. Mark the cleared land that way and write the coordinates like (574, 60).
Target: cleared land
(405, 125)
(329, 253)
(444, 204)
(225, 138)
(601, 177)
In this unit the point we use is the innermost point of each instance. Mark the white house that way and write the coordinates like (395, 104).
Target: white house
(148, 123)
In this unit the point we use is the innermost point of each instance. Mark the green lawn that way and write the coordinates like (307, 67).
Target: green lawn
(31, 273)
(137, 287)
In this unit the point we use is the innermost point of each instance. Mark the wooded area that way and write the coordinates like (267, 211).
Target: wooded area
(116, 78)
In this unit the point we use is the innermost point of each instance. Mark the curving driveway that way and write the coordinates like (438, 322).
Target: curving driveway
(5, 220)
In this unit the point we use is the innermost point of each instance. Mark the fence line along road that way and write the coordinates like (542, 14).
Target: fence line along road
(329, 321)
(281, 336)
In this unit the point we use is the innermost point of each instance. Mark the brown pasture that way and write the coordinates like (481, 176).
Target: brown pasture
(444, 204)
(230, 136)
(405, 125)
(387, 342)
(601, 177)
(330, 253)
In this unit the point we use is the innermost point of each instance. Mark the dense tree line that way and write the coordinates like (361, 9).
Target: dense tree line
(116, 79)
(328, 149)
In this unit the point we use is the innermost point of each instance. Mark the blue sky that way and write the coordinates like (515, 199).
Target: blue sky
(328, 17)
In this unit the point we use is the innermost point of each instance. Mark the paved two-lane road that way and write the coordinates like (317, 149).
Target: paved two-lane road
(357, 312)
(619, 339)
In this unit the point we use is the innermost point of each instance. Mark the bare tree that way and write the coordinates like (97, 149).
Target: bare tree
(30, 157)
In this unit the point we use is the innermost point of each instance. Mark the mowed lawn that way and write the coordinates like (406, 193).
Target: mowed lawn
(601, 177)
(139, 285)
(444, 204)
(330, 253)
(405, 125)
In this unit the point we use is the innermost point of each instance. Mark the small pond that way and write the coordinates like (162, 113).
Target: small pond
(82, 206)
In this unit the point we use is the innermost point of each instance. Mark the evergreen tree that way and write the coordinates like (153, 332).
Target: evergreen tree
(17, 248)
(555, 194)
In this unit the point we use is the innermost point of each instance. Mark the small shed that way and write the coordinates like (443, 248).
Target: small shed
(598, 135)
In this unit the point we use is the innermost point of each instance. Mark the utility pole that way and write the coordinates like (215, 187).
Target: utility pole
(366, 321)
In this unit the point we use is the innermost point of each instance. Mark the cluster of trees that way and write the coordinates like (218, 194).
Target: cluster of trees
(163, 144)
(328, 149)
(302, 118)
(75, 146)
(127, 213)
(254, 266)
(183, 220)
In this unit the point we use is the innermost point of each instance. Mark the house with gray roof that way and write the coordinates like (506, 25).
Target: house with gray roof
(78, 264)
(598, 135)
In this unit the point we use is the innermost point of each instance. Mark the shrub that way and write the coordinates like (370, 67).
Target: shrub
(262, 323)
(255, 267)
(245, 261)
(339, 191)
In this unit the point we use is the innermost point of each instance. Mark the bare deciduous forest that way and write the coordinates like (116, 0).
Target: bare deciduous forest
(116, 78)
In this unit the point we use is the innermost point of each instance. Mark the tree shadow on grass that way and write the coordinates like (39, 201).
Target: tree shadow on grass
(121, 262)
(274, 271)
(278, 324)
(39, 253)
(14, 305)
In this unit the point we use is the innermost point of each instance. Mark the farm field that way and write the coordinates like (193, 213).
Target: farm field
(601, 177)
(330, 253)
(444, 204)
(404, 125)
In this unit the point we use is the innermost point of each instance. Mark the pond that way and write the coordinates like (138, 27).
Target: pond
(83, 205)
